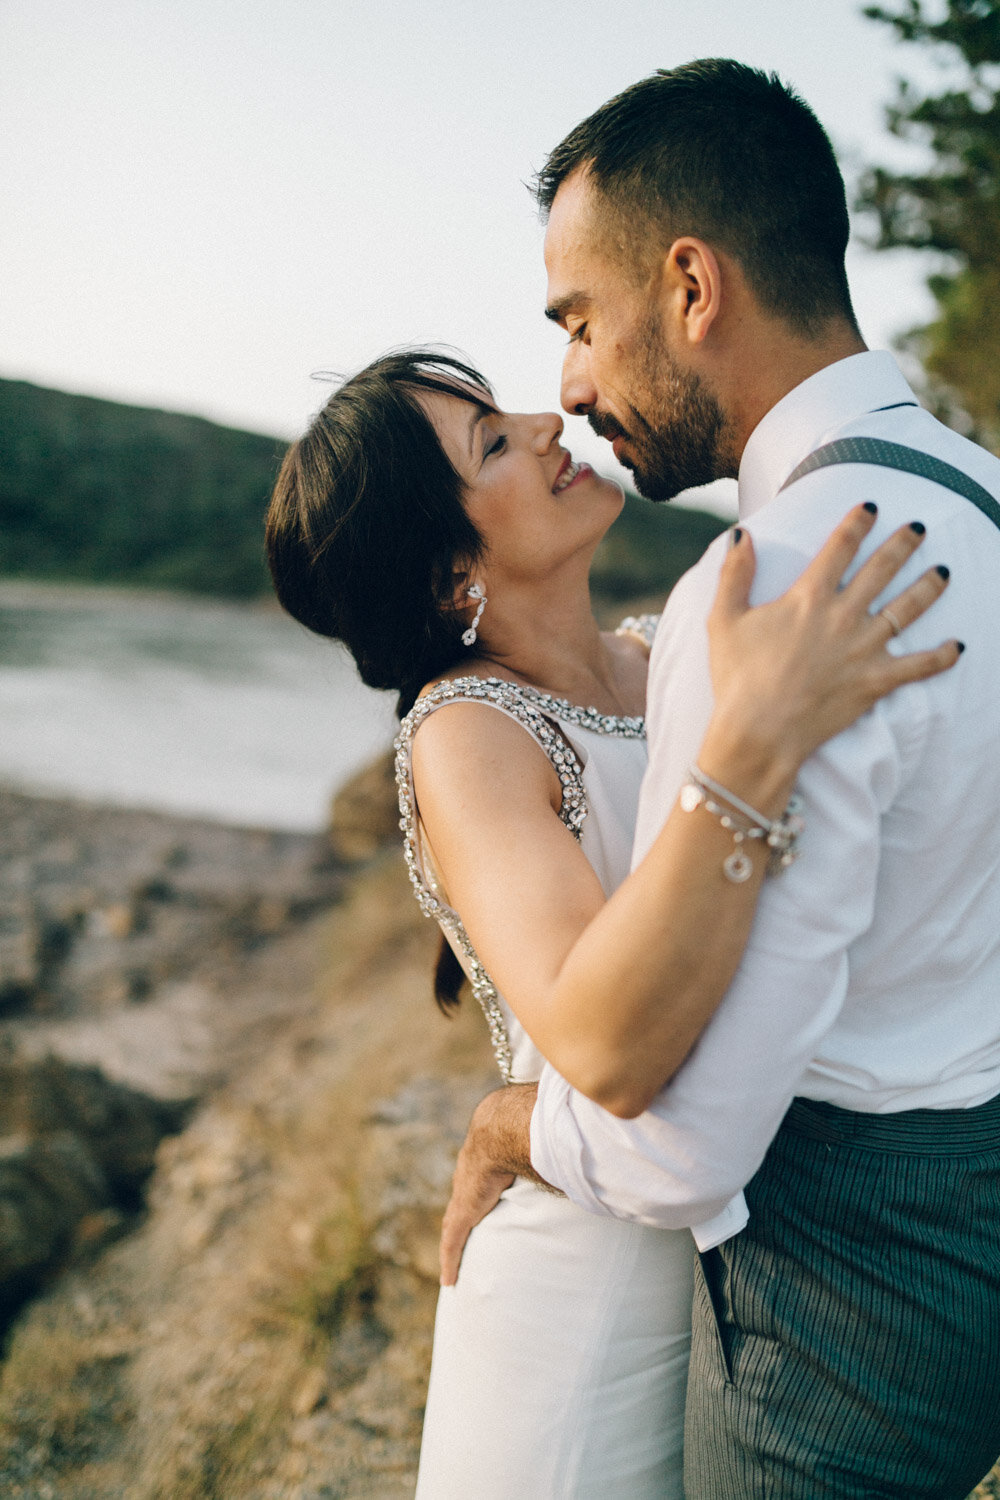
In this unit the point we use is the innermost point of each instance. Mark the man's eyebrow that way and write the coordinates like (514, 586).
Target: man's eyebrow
(557, 310)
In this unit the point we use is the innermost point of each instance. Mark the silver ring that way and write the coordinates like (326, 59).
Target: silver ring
(894, 624)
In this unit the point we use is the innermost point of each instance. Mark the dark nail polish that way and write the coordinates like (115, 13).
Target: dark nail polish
(918, 527)
(737, 535)
(961, 646)
(870, 507)
(942, 571)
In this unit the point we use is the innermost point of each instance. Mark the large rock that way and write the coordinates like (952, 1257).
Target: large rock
(47, 1186)
(100, 908)
(117, 1127)
(75, 1151)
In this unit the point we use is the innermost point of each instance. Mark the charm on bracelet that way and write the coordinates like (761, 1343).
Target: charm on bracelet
(741, 820)
(737, 866)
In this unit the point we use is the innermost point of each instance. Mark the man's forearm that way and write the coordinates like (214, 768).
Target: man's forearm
(499, 1137)
(497, 1149)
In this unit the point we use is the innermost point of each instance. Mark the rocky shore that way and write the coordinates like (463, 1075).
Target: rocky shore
(228, 1117)
(123, 935)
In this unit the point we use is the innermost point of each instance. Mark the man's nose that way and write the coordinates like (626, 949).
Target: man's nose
(577, 393)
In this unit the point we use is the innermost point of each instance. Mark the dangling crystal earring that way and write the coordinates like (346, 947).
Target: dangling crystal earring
(474, 591)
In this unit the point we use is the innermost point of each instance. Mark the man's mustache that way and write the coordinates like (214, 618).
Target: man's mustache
(605, 426)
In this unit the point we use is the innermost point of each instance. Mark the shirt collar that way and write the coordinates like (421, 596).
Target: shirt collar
(809, 415)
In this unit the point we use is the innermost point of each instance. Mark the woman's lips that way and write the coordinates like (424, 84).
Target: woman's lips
(567, 463)
(569, 474)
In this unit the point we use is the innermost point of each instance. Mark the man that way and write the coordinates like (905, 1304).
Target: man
(845, 1342)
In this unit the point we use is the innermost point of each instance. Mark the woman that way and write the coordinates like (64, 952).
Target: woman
(448, 544)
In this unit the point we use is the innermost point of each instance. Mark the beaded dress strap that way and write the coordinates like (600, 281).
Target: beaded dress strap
(520, 704)
(644, 626)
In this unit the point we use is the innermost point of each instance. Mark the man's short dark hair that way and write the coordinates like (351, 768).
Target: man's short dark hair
(733, 156)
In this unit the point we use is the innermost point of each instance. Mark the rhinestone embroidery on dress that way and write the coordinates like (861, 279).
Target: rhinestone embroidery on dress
(534, 710)
(644, 626)
(625, 726)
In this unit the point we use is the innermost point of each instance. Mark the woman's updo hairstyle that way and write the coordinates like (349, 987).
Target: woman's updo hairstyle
(366, 522)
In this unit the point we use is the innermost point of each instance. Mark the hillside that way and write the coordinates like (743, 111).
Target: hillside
(99, 491)
(648, 549)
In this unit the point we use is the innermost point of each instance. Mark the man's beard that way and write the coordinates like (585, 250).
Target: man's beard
(678, 442)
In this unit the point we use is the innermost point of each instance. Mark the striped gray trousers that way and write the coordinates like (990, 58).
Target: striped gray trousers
(847, 1343)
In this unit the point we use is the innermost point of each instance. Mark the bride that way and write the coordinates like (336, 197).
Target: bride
(448, 544)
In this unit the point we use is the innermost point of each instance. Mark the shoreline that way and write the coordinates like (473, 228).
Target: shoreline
(77, 593)
(196, 707)
(126, 934)
(97, 807)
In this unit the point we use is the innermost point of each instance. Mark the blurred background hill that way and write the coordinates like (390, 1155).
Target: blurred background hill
(103, 492)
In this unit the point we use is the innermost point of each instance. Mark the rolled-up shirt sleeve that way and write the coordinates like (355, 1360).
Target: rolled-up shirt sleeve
(686, 1158)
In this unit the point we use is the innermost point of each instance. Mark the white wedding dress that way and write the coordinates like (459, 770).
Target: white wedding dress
(560, 1357)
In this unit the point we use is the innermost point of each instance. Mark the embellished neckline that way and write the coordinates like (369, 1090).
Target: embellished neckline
(625, 726)
(629, 726)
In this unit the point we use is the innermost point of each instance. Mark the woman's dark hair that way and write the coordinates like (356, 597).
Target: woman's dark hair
(366, 522)
(726, 152)
(365, 526)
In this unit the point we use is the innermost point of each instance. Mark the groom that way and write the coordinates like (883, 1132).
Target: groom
(847, 1340)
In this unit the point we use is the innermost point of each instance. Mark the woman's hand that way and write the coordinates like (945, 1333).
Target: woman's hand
(792, 673)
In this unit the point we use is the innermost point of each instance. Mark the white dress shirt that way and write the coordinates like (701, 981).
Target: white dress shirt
(872, 975)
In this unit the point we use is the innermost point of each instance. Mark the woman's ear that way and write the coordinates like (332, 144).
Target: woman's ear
(455, 593)
(691, 289)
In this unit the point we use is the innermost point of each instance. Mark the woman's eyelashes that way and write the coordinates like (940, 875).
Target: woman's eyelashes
(495, 442)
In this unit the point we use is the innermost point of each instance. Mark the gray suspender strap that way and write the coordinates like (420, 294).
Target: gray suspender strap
(866, 450)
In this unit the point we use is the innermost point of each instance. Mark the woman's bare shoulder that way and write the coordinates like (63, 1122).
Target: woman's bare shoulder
(462, 746)
(472, 716)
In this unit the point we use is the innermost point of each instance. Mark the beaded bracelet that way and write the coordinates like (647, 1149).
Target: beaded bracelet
(744, 822)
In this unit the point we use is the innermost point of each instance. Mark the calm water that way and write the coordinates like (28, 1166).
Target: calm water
(227, 711)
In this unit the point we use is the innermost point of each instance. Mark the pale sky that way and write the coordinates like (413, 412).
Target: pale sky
(207, 200)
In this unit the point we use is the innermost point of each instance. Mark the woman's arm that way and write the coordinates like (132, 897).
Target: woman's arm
(615, 993)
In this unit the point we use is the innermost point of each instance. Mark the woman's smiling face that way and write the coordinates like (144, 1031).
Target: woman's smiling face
(533, 506)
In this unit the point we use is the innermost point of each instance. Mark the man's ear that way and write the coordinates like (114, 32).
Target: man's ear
(691, 289)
